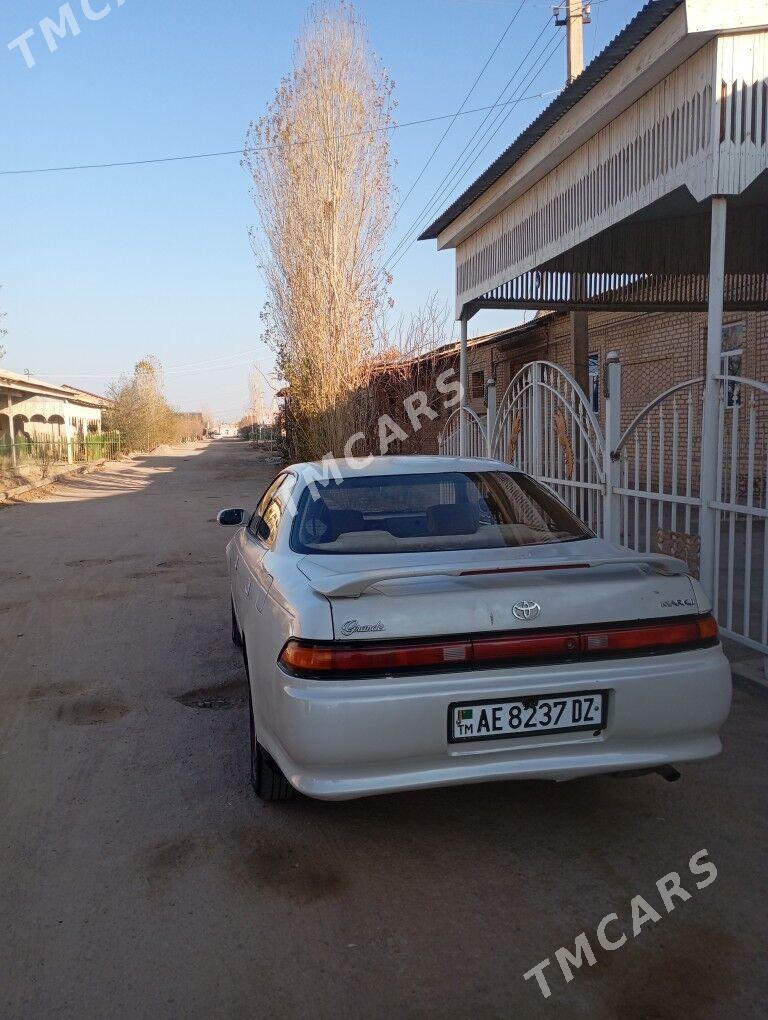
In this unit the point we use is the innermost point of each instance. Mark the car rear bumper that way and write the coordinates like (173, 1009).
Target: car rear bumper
(342, 739)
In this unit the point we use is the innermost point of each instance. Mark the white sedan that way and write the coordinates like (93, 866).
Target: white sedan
(427, 621)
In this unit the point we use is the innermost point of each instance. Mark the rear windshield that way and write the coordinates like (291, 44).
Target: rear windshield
(431, 512)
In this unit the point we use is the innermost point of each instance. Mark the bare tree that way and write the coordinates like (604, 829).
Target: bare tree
(419, 334)
(140, 412)
(412, 351)
(319, 159)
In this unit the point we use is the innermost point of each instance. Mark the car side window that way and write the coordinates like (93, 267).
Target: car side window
(256, 516)
(270, 523)
(266, 525)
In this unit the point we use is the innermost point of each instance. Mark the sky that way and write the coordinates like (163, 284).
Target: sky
(99, 267)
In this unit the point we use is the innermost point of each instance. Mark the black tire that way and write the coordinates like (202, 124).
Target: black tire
(266, 777)
(237, 637)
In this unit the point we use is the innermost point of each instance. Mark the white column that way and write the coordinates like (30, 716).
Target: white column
(711, 411)
(535, 433)
(490, 416)
(68, 433)
(464, 388)
(10, 427)
(611, 467)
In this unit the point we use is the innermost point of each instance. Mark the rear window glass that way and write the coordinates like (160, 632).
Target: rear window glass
(431, 512)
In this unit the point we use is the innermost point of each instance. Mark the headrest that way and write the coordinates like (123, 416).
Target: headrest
(342, 521)
(453, 519)
(316, 526)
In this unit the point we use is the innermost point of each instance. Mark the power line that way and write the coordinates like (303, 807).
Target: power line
(482, 136)
(456, 169)
(472, 88)
(196, 367)
(241, 152)
(209, 368)
(208, 361)
(593, 46)
(459, 175)
(546, 57)
(113, 375)
(463, 162)
(265, 378)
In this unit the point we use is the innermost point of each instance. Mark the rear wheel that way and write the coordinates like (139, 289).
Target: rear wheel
(237, 637)
(267, 778)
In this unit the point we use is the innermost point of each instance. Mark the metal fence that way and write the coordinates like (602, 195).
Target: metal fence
(450, 440)
(47, 451)
(269, 434)
(546, 426)
(741, 510)
(659, 475)
(644, 487)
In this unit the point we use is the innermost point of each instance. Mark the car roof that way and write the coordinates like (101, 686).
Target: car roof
(412, 465)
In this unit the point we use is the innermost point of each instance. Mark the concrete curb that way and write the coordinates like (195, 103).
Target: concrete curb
(77, 469)
(749, 675)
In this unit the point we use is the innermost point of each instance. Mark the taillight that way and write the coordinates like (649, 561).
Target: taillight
(302, 657)
(649, 636)
(325, 660)
(529, 646)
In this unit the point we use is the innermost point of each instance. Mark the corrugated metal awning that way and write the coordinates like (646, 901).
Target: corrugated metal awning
(641, 26)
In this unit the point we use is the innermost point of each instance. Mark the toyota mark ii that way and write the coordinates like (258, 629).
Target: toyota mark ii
(427, 621)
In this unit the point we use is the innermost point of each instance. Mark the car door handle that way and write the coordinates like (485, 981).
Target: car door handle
(247, 588)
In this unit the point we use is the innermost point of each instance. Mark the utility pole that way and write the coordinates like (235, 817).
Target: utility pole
(573, 16)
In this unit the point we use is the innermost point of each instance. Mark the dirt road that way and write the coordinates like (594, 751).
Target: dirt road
(140, 877)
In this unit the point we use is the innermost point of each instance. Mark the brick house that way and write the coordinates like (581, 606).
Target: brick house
(656, 349)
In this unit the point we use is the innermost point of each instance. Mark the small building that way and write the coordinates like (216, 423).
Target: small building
(35, 409)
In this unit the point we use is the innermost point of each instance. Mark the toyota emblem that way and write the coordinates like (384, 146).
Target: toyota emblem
(526, 610)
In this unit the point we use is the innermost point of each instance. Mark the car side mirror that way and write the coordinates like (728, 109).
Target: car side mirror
(230, 518)
(263, 530)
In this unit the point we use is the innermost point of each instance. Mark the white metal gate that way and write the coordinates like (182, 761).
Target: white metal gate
(642, 487)
(658, 478)
(546, 427)
(741, 509)
(449, 441)
(659, 459)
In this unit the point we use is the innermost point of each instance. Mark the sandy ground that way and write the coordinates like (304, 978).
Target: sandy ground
(27, 474)
(139, 876)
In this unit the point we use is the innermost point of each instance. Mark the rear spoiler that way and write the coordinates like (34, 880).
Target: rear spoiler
(352, 585)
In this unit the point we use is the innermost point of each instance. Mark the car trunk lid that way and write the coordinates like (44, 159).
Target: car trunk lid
(500, 590)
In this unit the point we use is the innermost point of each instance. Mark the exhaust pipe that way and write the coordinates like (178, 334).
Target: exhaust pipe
(669, 773)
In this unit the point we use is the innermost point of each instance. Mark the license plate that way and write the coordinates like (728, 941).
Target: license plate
(522, 717)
